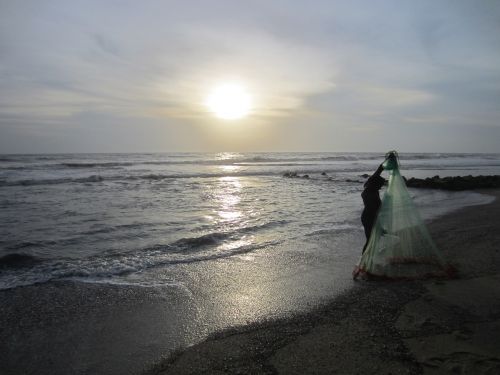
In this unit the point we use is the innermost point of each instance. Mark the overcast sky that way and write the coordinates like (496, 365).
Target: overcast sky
(133, 76)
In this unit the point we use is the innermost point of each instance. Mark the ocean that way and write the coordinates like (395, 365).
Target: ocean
(134, 219)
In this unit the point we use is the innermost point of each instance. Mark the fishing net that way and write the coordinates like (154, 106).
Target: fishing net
(400, 246)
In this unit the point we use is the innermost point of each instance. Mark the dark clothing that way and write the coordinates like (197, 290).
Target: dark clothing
(372, 203)
(371, 200)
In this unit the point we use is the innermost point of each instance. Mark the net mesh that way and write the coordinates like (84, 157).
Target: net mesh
(400, 246)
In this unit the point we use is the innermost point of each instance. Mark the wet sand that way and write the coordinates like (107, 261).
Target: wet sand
(420, 327)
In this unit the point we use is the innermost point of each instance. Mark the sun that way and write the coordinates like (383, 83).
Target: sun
(229, 101)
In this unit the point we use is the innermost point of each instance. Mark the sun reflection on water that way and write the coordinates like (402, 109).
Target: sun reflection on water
(228, 198)
(229, 168)
(228, 212)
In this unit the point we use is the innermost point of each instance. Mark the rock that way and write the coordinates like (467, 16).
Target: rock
(456, 183)
(294, 175)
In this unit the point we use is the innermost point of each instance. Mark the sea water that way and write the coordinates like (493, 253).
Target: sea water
(135, 218)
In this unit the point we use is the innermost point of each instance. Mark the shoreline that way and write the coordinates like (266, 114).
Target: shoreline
(412, 327)
(65, 327)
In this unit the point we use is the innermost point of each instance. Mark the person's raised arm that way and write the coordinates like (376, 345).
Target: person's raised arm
(379, 170)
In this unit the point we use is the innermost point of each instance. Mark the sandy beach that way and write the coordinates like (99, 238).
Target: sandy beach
(421, 327)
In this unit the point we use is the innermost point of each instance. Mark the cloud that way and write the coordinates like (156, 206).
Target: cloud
(330, 67)
(171, 73)
(279, 74)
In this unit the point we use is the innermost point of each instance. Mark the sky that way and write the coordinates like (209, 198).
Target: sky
(134, 76)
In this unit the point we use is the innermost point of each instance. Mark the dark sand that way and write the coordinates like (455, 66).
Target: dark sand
(404, 327)
(430, 327)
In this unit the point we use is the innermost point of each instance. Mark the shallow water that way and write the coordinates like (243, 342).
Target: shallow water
(136, 218)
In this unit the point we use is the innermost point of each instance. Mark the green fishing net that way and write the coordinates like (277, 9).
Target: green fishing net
(400, 245)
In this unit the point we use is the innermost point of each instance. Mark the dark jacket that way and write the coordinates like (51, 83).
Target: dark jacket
(371, 200)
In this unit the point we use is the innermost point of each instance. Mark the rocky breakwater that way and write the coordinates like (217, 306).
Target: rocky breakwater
(455, 183)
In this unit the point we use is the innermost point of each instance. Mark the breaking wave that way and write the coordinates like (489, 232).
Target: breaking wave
(51, 181)
(151, 177)
(19, 273)
(97, 165)
(19, 269)
(18, 260)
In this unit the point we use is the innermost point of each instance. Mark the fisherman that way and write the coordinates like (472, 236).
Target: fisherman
(371, 199)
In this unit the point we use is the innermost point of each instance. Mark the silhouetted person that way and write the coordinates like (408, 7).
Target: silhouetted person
(371, 200)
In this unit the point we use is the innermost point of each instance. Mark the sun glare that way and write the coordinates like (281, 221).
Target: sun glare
(229, 101)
